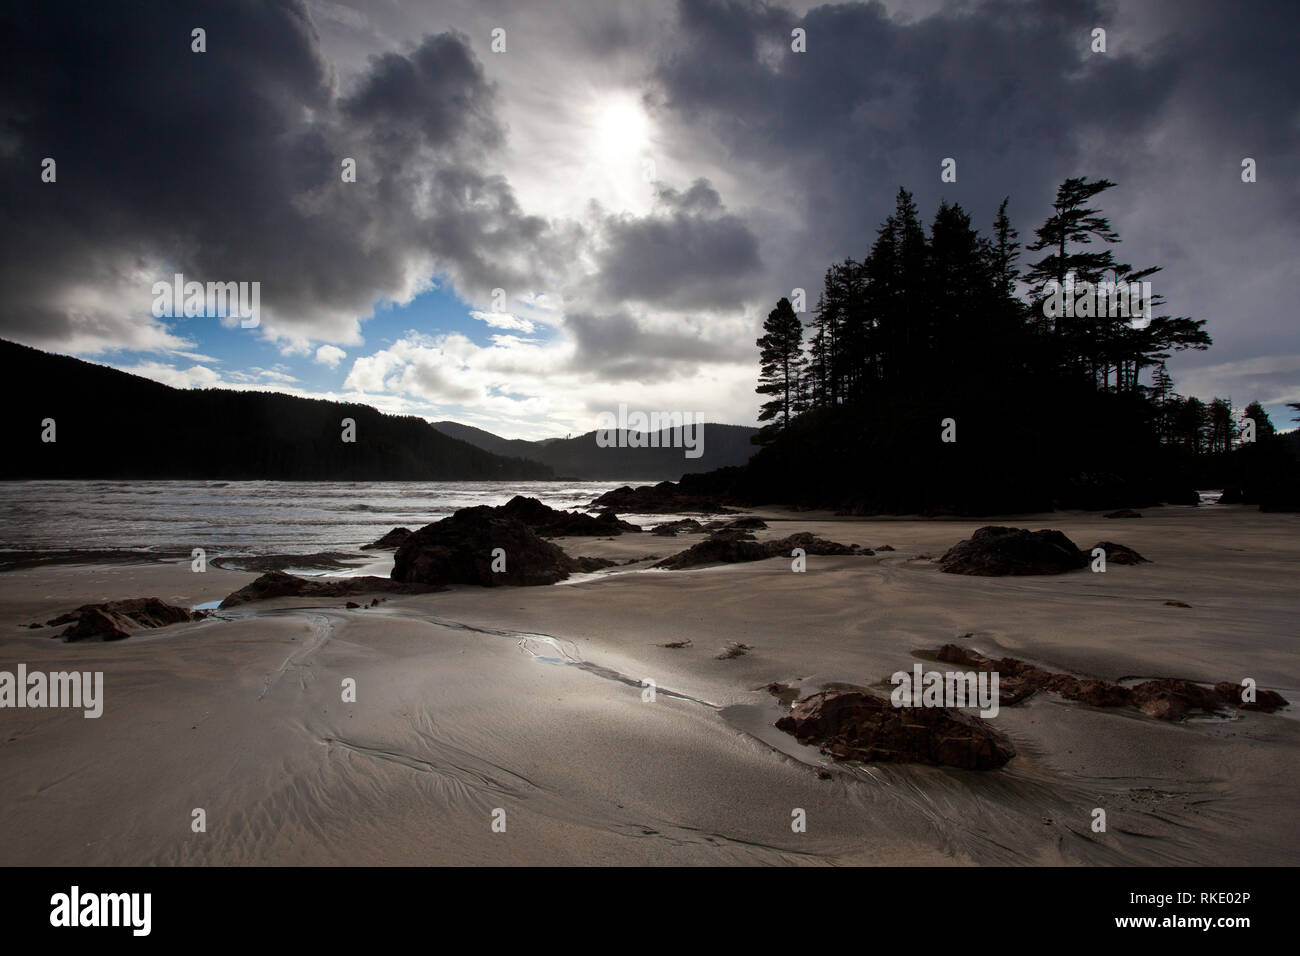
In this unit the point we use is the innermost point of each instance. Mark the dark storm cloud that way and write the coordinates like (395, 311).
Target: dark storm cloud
(1005, 89)
(1013, 93)
(688, 253)
(226, 166)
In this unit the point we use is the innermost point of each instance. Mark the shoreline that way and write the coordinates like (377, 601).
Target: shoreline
(463, 707)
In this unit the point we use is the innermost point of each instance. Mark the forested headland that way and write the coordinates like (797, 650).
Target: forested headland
(939, 375)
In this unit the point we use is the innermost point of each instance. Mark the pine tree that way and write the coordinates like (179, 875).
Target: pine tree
(782, 360)
(1071, 224)
(1003, 253)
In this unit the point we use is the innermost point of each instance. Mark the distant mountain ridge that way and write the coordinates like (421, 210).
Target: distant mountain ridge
(580, 457)
(109, 424)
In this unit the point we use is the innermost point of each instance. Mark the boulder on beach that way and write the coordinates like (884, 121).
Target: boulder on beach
(736, 546)
(855, 725)
(390, 541)
(553, 523)
(1118, 553)
(993, 551)
(460, 550)
(115, 620)
(275, 584)
(1124, 513)
(663, 498)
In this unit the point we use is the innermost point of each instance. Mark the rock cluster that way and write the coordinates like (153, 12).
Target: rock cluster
(993, 551)
(1164, 698)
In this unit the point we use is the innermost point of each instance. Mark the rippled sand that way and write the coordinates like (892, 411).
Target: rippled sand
(530, 701)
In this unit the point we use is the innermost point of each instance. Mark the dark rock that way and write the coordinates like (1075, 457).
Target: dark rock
(553, 523)
(1177, 604)
(458, 550)
(352, 605)
(588, 565)
(852, 725)
(663, 498)
(1233, 496)
(885, 547)
(390, 541)
(994, 551)
(276, 584)
(35, 624)
(729, 548)
(673, 528)
(115, 620)
(1163, 698)
(1118, 553)
(733, 534)
(1265, 700)
(1124, 513)
(1171, 699)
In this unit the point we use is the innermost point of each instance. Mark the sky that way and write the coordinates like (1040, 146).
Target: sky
(560, 207)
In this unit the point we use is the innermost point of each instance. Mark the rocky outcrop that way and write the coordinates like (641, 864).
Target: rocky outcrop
(993, 551)
(115, 620)
(1265, 700)
(390, 541)
(1164, 698)
(552, 523)
(746, 523)
(1124, 513)
(670, 529)
(733, 547)
(855, 725)
(276, 584)
(1118, 553)
(460, 550)
(663, 498)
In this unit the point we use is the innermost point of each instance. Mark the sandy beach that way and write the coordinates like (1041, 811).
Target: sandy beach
(531, 701)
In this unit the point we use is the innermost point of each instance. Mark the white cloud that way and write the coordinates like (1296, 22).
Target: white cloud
(504, 320)
(197, 376)
(330, 355)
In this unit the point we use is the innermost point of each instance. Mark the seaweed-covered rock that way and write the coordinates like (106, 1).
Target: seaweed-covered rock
(459, 550)
(115, 620)
(854, 725)
(1163, 698)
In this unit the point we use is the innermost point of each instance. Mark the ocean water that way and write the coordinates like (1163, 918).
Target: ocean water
(247, 517)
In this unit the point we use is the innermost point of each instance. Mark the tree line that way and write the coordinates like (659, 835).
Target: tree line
(939, 324)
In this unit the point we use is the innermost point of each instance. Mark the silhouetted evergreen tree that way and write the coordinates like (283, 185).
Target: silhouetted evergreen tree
(781, 355)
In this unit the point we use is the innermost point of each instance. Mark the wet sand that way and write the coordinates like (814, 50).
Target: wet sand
(529, 701)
